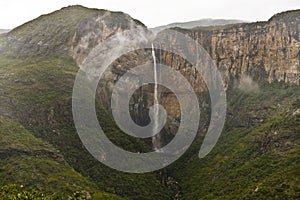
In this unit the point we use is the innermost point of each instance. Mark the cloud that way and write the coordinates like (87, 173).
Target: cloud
(247, 84)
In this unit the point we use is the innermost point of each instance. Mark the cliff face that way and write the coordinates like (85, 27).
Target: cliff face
(96, 28)
(37, 75)
(37, 72)
(264, 50)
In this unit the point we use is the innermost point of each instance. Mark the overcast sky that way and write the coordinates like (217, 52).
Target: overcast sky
(151, 12)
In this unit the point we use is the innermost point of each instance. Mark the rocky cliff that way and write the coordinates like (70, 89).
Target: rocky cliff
(262, 51)
(37, 72)
(257, 156)
(244, 53)
(265, 50)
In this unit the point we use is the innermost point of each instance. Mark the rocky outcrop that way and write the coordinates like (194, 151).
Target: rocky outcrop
(264, 50)
(97, 28)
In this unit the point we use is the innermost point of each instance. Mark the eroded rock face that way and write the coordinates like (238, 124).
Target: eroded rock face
(264, 50)
(97, 28)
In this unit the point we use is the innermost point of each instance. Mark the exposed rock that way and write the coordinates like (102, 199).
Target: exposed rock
(296, 112)
(244, 53)
(263, 50)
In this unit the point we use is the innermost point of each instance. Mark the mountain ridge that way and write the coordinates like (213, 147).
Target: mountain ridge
(4, 31)
(197, 23)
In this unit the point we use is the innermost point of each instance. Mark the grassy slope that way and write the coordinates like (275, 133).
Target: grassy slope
(31, 88)
(38, 93)
(28, 160)
(53, 30)
(249, 162)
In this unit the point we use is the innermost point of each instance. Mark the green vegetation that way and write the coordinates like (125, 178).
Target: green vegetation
(33, 162)
(256, 157)
(11, 192)
(251, 160)
(36, 90)
(52, 31)
(14, 192)
(37, 95)
(287, 15)
(42, 157)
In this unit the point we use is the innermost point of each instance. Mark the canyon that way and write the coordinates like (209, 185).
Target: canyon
(257, 156)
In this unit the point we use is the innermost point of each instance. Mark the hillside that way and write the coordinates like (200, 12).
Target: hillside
(38, 84)
(35, 163)
(257, 156)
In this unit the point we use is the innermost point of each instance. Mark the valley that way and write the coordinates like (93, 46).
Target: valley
(256, 157)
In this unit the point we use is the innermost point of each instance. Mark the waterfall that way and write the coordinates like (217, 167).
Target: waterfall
(156, 138)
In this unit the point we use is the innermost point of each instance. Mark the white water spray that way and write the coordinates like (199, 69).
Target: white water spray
(156, 138)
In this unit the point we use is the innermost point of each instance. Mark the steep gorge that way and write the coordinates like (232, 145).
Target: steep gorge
(264, 50)
(250, 52)
(39, 61)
